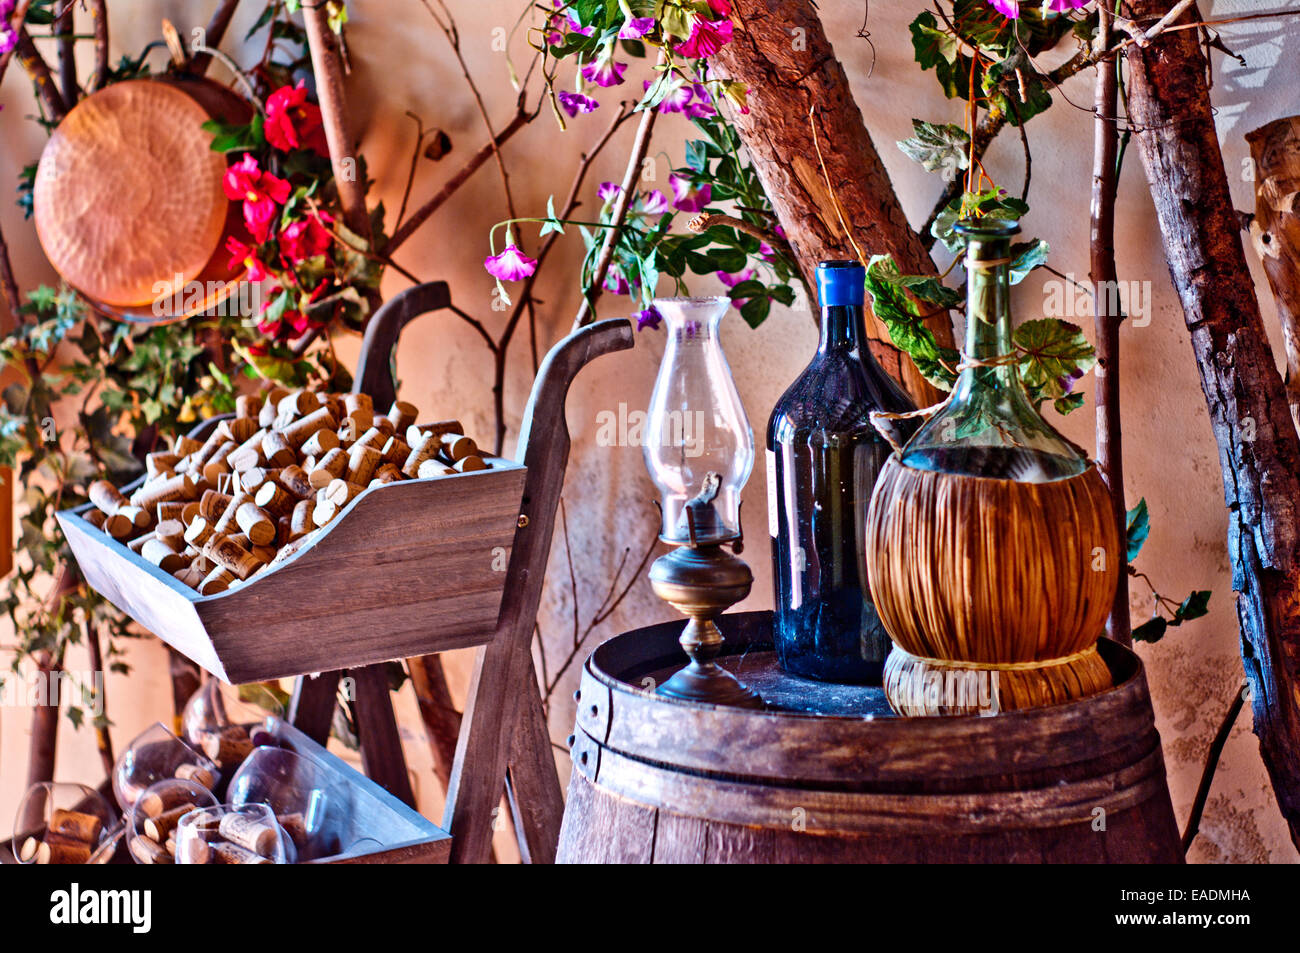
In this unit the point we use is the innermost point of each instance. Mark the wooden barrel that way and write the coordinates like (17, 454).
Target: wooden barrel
(827, 773)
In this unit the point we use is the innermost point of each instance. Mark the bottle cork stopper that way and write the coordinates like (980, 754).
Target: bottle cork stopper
(169, 511)
(224, 852)
(425, 449)
(333, 464)
(248, 405)
(147, 852)
(274, 499)
(387, 473)
(189, 511)
(196, 773)
(212, 504)
(76, 825)
(319, 443)
(276, 450)
(118, 526)
(434, 468)
(362, 463)
(300, 430)
(199, 531)
(95, 518)
(457, 446)
(158, 827)
(159, 462)
(217, 581)
(227, 518)
(324, 511)
(300, 521)
(249, 833)
(106, 497)
(140, 517)
(137, 544)
(360, 421)
(298, 403)
(241, 428)
(470, 463)
(402, 414)
(395, 451)
(358, 401)
(383, 425)
(171, 532)
(230, 556)
(296, 481)
(162, 555)
(341, 492)
(179, 487)
(257, 525)
(185, 445)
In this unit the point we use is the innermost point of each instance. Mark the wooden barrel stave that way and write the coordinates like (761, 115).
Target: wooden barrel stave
(656, 780)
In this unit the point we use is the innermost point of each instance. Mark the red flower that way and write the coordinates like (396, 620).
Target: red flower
(261, 192)
(245, 256)
(294, 123)
(306, 238)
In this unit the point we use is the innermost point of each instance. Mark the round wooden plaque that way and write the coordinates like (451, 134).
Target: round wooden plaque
(128, 197)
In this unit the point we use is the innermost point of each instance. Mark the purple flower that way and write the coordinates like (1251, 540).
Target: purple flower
(609, 191)
(616, 283)
(574, 103)
(510, 265)
(731, 280)
(604, 72)
(636, 27)
(8, 39)
(1060, 6)
(653, 202)
(1008, 8)
(687, 197)
(575, 26)
(707, 37)
(702, 108)
(676, 100)
(766, 252)
(648, 318)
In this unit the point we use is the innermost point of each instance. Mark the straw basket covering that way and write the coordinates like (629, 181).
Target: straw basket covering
(1013, 579)
(128, 196)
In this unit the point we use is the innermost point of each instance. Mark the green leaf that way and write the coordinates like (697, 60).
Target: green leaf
(1137, 527)
(1194, 606)
(1053, 354)
(939, 148)
(755, 310)
(552, 223)
(1026, 256)
(1151, 631)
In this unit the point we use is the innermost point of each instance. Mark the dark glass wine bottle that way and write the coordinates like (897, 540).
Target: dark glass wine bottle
(823, 457)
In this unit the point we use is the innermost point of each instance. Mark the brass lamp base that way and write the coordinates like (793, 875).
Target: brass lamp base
(703, 582)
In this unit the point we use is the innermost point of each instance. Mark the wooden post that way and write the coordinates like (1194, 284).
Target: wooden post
(1259, 451)
(1275, 233)
(784, 83)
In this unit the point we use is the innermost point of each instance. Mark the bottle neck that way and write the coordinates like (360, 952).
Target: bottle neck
(988, 304)
(843, 328)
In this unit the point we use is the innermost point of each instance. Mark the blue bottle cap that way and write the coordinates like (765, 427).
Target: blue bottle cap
(841, 283)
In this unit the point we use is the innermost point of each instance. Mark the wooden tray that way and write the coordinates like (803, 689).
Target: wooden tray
(408, 568)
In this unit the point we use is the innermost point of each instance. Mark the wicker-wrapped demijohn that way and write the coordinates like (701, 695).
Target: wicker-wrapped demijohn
(992, 552)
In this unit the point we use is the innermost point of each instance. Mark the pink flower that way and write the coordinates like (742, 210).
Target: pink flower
(609, 191)
(8, 39)
(731, 280)
(648, 318)
(262, 194)
(245, 256)
(653, 202)
(1008, 8)
(636, 27)
(510, 265)
(702, 108)
(306, 238)
(616, 283)
(721, 7)
(687, 197)
(676, 100)
(707, 37)
(574, 103)
(1060, 6)
(294, 123)
(604, 72)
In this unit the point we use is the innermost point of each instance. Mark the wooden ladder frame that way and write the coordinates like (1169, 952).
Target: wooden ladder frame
(504, 743)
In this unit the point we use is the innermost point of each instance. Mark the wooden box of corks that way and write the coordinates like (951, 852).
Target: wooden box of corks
(305, 533)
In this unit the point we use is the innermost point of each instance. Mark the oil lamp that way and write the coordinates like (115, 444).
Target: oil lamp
(699, 449)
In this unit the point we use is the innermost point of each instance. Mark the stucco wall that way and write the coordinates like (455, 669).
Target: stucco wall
(401, 63)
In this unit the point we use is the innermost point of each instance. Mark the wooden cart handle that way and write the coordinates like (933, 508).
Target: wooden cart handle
(375, 366)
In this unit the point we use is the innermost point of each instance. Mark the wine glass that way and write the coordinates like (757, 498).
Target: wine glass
(61, 823)
(306, 800)
(217, 706)
(154, 755)
(155, 815)
(230, 834)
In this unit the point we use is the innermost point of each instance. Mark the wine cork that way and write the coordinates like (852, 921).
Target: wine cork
(227, 518)
(224, 852)
(395, 451)
(296, 481)
(298, 431)
(324, 511)
(229, 555)
(456, 446)
(360, 420)
(106, 497)
(60, 850)
(219, 462)
(170, 510)
(372, 437)
(147, 852)
(198, 457)
(276, 450)
(257, 525)
(275, 500)
(249, 833)
(362, 462)
(196, 773)
(95, 518)
(118, 526)
(171, 532)
(189, 511)
(434, 468)
(440, 427)
(241, 428)
(294, 545)
(383, 425)
(240, 540)
(358, 401)
(333, 464)
(264, 554)
(319, 443)
(425, 449)
(300, 519)
(190, 575)
(229, 746)
(162, 555)
(294, 826)
(140, 517)
(199, 531)
(387, 473)
(402, 414)
(76, 825)
(179, 487)
(341, 492)
(137, 544)
(185, 445)
(217, 581)
(157, 827)
(212, 504)
(469, 463)
(248, 405)
(298, 403)
(160, 461)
